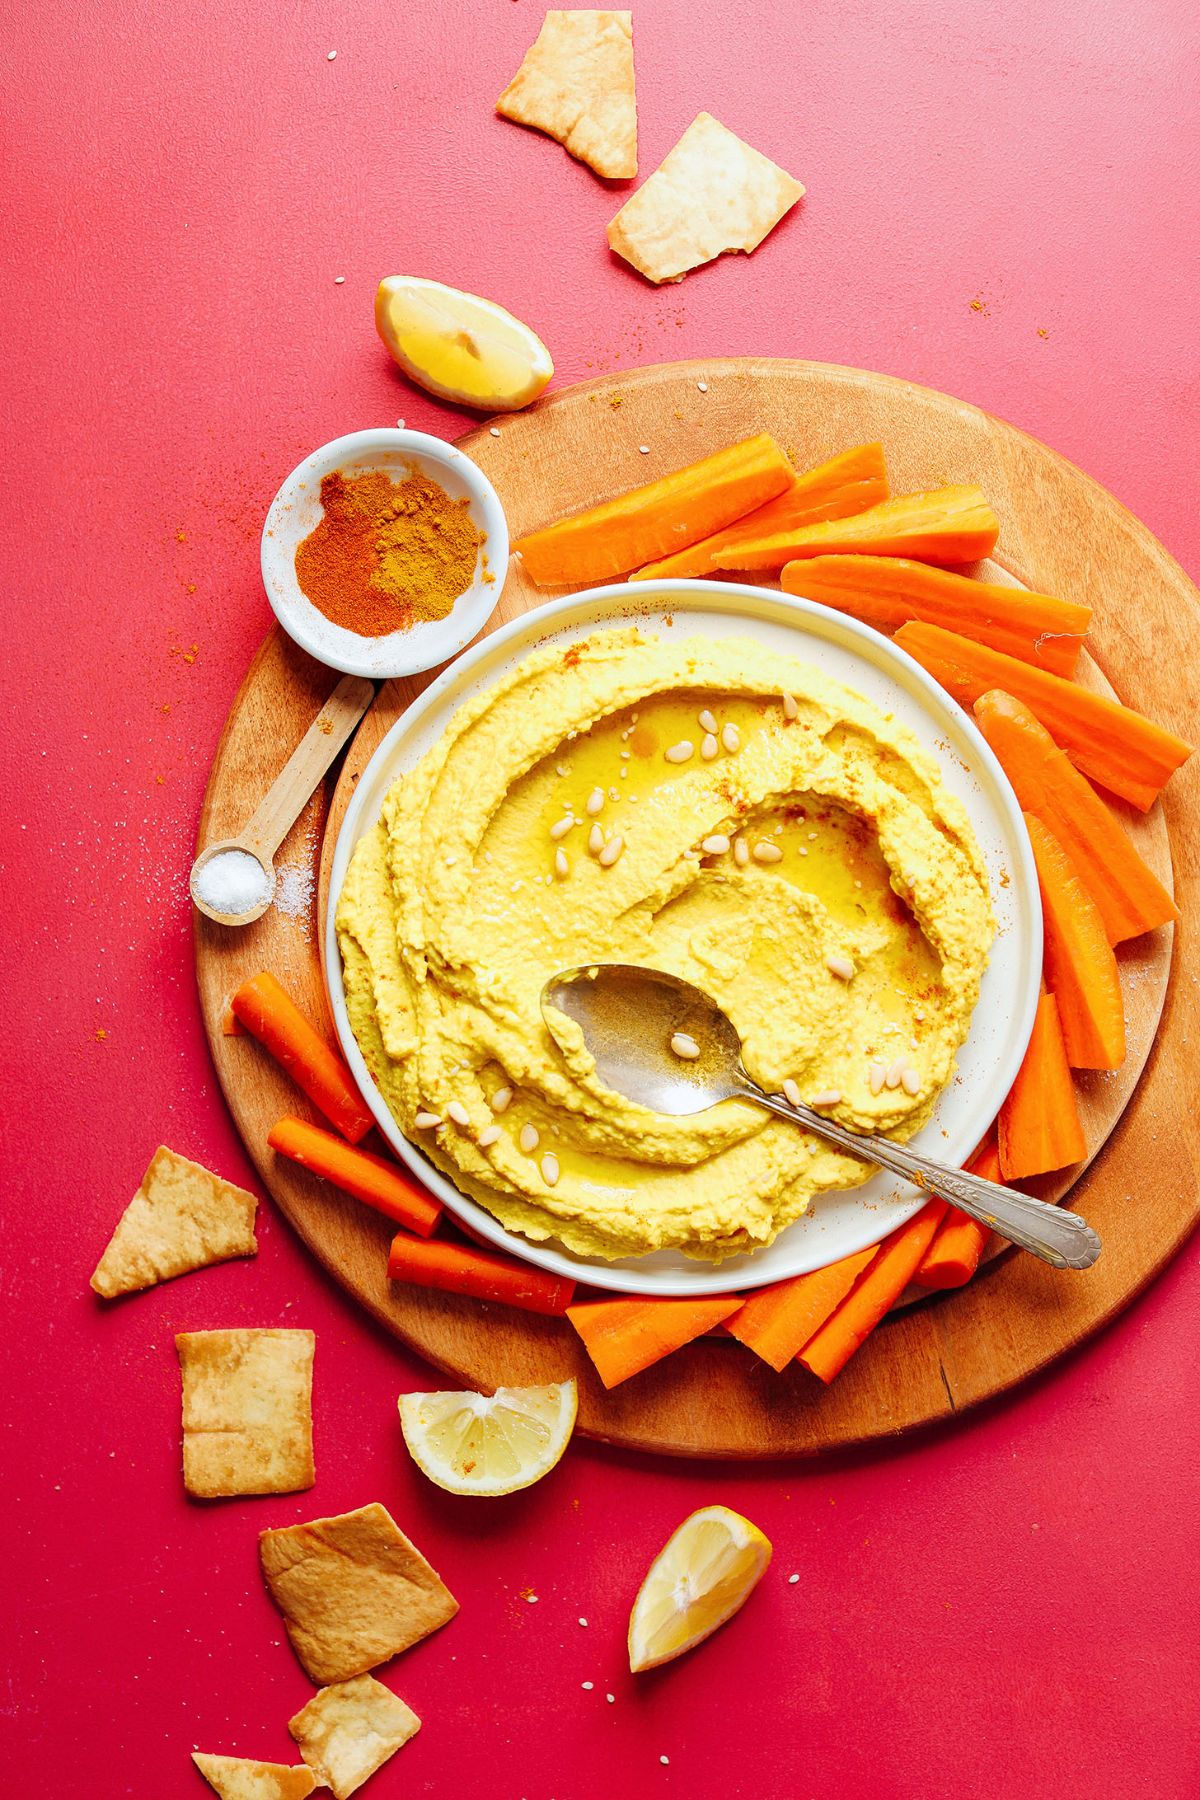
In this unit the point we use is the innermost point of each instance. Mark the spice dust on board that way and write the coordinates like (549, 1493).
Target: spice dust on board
(387, 554)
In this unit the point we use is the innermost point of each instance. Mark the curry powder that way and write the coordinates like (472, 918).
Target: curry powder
(387, 554)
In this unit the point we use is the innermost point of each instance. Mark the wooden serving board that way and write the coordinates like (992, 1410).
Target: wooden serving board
(1062, 534)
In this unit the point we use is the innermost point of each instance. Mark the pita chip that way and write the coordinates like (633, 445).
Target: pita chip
(182, 1217)
(711, 193)
(352, 1590)
(239, 1778)
(576, 85)
(349, 1731)
(247, 1411)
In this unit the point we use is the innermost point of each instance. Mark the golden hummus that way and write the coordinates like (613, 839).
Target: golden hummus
(849, 963)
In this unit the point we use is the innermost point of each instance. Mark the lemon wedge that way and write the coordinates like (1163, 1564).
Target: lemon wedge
(460, 346)
(472, 1444)
(702, 1575)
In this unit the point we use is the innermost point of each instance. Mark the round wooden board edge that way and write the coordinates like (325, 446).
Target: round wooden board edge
(622, 1416)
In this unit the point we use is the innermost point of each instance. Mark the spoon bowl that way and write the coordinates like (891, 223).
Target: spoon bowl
(668, 1046)
(208, 855)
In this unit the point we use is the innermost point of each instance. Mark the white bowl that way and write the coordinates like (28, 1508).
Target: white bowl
(296, 509)
(838, 1224)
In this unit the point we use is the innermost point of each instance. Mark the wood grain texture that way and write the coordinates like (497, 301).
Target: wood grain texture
(1062, 534)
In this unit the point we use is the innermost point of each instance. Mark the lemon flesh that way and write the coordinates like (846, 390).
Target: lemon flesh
(480, 1444)
(701, 1576)
(460, 346)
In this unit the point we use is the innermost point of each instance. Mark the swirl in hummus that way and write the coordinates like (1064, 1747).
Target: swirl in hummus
(803, 864)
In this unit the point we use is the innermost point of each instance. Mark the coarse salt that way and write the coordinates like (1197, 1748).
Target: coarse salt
(232, 883)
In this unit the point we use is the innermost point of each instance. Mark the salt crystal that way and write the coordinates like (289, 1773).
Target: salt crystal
(232, 883)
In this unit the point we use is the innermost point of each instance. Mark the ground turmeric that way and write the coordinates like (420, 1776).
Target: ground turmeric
(387, 554)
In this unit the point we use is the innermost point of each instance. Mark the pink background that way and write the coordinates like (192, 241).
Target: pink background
(1004, 1608)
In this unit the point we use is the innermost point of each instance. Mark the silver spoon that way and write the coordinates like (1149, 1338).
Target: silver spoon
(629, 1016)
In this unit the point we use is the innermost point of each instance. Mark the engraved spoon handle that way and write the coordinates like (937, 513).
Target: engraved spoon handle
(1058, 1237)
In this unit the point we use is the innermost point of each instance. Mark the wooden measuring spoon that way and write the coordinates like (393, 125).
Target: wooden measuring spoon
(284, 800)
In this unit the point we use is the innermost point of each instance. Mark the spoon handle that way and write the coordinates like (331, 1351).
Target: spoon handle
(296, 782)
(1058, 1237)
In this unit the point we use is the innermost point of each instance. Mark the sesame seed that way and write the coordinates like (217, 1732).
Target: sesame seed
(561, 769)
(645, 449)
(528, 1139)
(562, 867)
(919, 1016)
(550, 1169)
(716, 845)
(767, 853)
(791, 1092)
(495, 430)
(791, 706)
(501, 1099)
(830, 1097)
(680, 752)
(730, 738)
(594, 802)
(625, 756)
(488, 1136)
(425, 1121)
(611, 851)
(531, 1599)
(458, 1112)
(910, 1081)
(706, 721)
(841, 966)
(561, 827)
(685, 1046)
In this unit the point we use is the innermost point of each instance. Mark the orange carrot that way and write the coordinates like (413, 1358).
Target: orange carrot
(945, 525)
(1081, 970)
(276, 1021)
(659, 519)
(1038, 1128)
(230, 1026)
(622, 1337)
(370, 1178)
(777, 1321)
(461, 1269)
(954, 1254)
(877, 1288)
(888, 591)
(1130, 896)
(835, 489)
(1116, 746)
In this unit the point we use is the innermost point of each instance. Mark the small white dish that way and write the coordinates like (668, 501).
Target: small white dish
(838, 1224)
(296, 509)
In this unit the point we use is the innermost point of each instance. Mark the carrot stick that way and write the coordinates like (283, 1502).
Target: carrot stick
(370, 1178)
(945, 525)
(1130, 896)
(276, 1021)
(777, 1321)
(889, 591)
(1038, 1128)
(954, 1254)
(836, 489)
(1081, 970)
(877, 1288)
(230, 1026)
(656, 520)
(1116, 746)
(622, 1337)
(461, 1269)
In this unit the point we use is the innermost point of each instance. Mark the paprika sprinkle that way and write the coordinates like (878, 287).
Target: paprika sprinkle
(387, 554)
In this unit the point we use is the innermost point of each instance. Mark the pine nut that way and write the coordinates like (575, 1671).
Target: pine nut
(830, 1097)
(425, 1121)
(791, 1092)
(685, 1046)
(716, 845)
(730, 738)
(488, 1136)
(767, 853)
(595, 801)
(501, 1099)
(708, 746)
(528, 1139)
(550, 1169)
(741, 852)
(841, 966)
(562, 867)
(561, 827)
(706, 721)
(458, 1112)
(611, 851)
(681, 752)
(790, 706)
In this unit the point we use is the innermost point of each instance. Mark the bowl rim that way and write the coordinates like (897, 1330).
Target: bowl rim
(419, 647)
(470, 1214)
